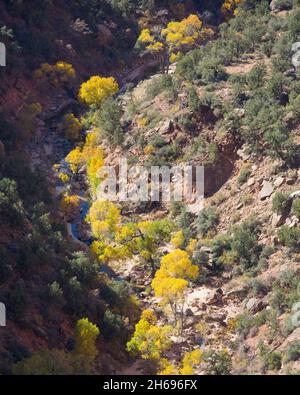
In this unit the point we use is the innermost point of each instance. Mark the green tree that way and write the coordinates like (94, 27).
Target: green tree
(208, 219)
(245, 243)
(109, 121)
(280, 203)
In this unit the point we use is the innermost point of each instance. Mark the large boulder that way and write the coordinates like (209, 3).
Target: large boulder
(266, 191)
(295, 195)
(255, 305)
(278, 182)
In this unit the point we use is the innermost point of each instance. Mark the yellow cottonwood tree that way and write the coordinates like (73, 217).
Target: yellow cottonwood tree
(134, 239)
(97, 88)
(143, 238)
(75, 159)
(86, 334)
(156, 46)
(149, 340)
(170, 282)
(104, 217)
(172, 294)
(184, 33)
(92, 155)
(175, 39)
(177, 264)
(94, 163)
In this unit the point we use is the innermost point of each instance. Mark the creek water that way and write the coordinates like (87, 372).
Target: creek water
(84, 208)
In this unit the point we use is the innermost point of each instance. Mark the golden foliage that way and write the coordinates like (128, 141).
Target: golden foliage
(97, 88)
(176, 38)
(145, 37)
(178, 239)
(91, 155)
(142, 122)
(63, 177)
(170, 290)
(143, 238)
(175, 56)
(177, 264)
(156, 47)
(104, 217)
(167, 368)
(170, 281)
(184, 33)
(189, 362)
(94, 164)
(149, 340)
(86, 335)
(190, 249)
(149, 149)
(229, 7)
(60, 73)
(75, 159)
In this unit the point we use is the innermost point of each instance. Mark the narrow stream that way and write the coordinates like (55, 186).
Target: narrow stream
(84, 208)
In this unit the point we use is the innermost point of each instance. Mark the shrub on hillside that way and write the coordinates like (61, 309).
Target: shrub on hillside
(245, 243)
(296, 208)
(162, 83)
(61, 73)
(280, 203)
(193, 99)
(217, 362)
(109, 121)
(292, 352)
(222, 252)
(208, 220)
(243, 176)
(11, 206)
(112, 325)
(290, 237)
